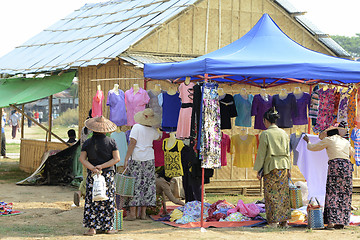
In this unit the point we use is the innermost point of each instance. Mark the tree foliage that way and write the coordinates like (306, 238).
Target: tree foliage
(350, 44)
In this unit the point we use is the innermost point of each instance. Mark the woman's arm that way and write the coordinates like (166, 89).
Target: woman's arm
(130, 150)
(112, 162)
(86, 163)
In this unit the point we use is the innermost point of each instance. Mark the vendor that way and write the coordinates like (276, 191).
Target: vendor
(339, 178)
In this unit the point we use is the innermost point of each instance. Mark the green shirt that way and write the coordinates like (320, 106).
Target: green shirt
(273, 152)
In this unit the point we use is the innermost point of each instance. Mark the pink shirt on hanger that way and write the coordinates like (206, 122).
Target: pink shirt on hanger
(135, 103)
(97, 104)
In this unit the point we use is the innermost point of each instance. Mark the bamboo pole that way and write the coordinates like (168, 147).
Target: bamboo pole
(22, 121)
(34, 121)
(50, 116)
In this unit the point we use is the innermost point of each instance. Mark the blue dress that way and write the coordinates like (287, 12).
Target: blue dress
(171, 105)
(117, 107)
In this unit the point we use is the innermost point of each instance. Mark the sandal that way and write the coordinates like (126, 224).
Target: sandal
(90, 233)
(111, 231)
(330, 226)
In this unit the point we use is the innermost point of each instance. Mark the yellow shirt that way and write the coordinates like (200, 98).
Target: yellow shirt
(244, 150)
(274, 150)
(336, 147)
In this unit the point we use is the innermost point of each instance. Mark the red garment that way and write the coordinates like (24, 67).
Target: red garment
(158, 151)
(36, 115)
(97, 104)
(225, 147)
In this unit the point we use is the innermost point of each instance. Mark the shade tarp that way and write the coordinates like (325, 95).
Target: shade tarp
(264, 52)
(24, 90)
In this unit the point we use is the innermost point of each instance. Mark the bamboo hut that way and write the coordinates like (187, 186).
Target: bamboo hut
(108, 43)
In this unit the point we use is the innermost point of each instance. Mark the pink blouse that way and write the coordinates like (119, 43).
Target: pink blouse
(135, 103)
(97, 104)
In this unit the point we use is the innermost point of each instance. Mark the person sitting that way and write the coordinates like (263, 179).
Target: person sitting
(72, 136)
(163, 188)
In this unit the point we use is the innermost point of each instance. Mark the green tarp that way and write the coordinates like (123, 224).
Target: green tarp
(23, 90)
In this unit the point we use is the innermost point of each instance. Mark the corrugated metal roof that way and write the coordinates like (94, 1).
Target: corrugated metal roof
(140, 59)
(97, 33)
(94, 34)
(312, 28)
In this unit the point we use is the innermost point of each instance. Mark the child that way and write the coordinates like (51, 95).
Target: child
(72, 135)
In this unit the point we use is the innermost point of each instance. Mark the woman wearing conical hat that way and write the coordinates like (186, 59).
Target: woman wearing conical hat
(99, 154)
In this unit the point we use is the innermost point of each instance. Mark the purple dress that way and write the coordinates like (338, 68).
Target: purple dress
(116, 101)
(302, 104)
(258, 108)
(286, 108)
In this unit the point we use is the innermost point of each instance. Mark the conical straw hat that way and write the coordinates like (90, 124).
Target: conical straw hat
(100, 124)
(147, 118)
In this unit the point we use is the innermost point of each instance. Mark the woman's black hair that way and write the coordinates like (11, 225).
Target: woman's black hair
(332, 132)
(85, 128)
(271, 115)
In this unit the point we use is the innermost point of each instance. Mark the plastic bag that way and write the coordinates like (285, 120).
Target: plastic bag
(99, 188)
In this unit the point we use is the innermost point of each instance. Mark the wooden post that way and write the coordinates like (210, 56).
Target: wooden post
(50, 116)
(22, 121)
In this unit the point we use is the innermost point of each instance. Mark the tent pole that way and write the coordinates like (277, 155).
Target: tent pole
(202, 183)
(22, 121)
(50, 116)
(309, 119)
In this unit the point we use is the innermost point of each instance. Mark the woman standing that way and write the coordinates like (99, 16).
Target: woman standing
(273, 161)
(339, 179)
(142, 163)
(99, 154)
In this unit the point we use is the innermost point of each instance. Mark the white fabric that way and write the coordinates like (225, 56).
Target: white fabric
(314, 167)
(144, 137)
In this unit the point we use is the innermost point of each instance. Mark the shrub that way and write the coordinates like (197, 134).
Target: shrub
(68, 118)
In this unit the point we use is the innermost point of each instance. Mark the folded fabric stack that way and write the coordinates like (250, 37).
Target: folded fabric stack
(6, 209)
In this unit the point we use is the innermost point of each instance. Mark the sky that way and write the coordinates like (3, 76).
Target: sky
(22, 19)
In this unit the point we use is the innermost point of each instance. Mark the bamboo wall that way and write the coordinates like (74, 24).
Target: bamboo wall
(31, 152)
(227, 21)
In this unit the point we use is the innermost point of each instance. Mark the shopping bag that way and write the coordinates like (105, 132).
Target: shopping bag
(99, 188)
(124, 185)
(315, 215)
(295, 195)
(118, 220)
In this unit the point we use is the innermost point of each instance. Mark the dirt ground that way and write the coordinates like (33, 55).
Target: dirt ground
(48, 214)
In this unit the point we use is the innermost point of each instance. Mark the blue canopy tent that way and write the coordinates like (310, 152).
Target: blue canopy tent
(263, 57)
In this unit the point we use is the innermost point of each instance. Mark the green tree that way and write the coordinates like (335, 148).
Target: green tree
(350, 44)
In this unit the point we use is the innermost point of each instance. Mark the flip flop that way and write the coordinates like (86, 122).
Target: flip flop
(111, 231)
(89, 233)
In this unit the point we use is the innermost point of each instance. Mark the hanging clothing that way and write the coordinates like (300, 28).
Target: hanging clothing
(244, 150)
(352, 109)
(116, 101)
(355, 136)
(210, 146)
(196, 112)
(184, 122)
(227, 110)
(337, 96)
(314, 172)
(135, 103)
(314, 105)
(172, 158)
(97, 104)
(302, 105)
(294, 141)
(154, 102)
(158, 151)
(171, 105)
(243, 108)
(286, 108)
(121, 143)
(342, 114)
(258, 108)
(337, 208)
(326, 107)
(225, 147)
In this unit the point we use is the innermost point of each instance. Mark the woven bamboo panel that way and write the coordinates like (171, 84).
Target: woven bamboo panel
(31, 152)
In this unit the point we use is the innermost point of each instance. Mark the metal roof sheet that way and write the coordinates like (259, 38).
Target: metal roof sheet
(140, 59)
(98, 32)
(93, 34)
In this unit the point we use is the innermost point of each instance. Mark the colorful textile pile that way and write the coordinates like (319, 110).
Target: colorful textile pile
(6, 209)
